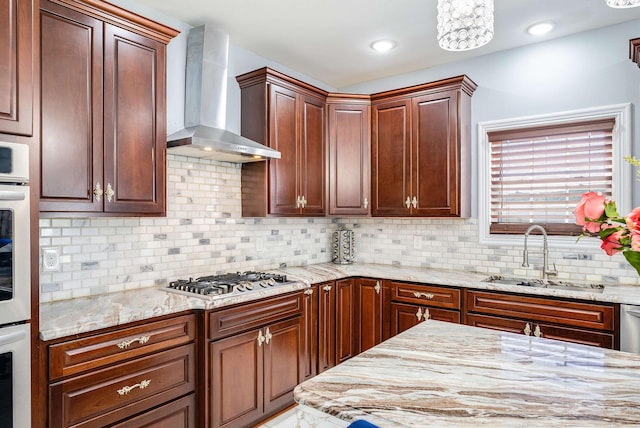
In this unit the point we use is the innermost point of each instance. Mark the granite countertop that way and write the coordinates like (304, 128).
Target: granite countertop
(443, 374)
(69, 317)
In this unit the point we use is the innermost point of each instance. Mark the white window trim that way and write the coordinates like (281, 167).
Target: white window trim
(622, 171)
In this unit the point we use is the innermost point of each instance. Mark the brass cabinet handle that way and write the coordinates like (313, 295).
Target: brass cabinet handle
(377, 287)
(126, 343)
(419, 314)
(327, 288)
(298, 202)
(303, 201)
(261, 338)
(408, 202)
(109, 192)
(97, 191)
(365, 203)
(537, 332)
(414, 202)
(419, 295)
(308, 291)
(527, 329)
(426, 314)
(267, 336)
(127, 389)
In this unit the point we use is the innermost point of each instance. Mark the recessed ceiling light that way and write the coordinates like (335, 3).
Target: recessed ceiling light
(383, 45)
(540, 28)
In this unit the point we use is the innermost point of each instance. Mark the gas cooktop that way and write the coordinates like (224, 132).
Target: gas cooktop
(229, 283)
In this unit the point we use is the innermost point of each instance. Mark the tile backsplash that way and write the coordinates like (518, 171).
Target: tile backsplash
(204, 233)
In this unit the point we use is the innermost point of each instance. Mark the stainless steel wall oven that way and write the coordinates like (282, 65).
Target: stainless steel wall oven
(15, 287)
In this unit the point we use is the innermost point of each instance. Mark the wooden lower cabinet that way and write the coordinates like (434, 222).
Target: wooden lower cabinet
(345, 320)
(252, 373)
(404, 316)
(311, 327)
(327, 326)
(368, 311)
(137, 375)
(592, 323)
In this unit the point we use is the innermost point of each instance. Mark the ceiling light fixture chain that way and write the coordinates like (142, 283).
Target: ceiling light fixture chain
(464, 24)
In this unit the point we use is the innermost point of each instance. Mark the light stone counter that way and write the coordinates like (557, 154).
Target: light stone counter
(69, 317)
(443, 374)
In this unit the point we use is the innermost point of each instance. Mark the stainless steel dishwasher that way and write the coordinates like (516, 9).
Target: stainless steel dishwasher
(630, 328)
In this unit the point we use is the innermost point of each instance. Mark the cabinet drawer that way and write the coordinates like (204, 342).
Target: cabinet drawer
(176, 414)
(109, 395)
(230, 321)
(430, 295)
(76, 356)
(566, 334)
(586, 315)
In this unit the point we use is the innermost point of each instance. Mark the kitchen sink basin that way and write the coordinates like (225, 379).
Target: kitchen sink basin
(545, 283)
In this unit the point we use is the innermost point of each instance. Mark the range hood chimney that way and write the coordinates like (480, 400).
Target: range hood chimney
(204, 135)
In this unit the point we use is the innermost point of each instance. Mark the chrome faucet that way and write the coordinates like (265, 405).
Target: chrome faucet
(545, 252)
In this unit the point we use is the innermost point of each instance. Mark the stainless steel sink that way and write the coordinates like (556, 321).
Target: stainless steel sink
(541, 283)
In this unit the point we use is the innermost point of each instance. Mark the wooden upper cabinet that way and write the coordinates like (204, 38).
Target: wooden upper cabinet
(349, 154)
(103, 110)
(16, 66)
(289, 116)
(421, 150)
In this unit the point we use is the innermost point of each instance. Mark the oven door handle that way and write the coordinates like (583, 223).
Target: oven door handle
(7, 339)
(10, 195)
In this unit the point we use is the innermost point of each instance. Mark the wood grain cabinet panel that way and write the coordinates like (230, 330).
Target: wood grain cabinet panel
(111, 394)
(404, 316)
(421, 150)
(93, 352)
(16, 66)
(346, 345)
(180, 413)
(289, 116)
(594, 324)
(327, 320)
(311, 327)
(103, 78)
(255, 360)
(368, 310)
(349, 155)
(424, 294)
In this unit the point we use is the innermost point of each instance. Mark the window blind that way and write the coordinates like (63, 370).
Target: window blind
(539, 174)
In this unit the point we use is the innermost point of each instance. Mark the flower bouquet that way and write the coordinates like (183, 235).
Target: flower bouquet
(599, 217)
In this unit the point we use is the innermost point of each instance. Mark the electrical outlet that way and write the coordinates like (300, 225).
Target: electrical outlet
(50, 259)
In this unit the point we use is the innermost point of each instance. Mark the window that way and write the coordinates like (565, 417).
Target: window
(536, 169)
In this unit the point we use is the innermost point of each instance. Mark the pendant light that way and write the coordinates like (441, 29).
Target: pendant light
(464, 24)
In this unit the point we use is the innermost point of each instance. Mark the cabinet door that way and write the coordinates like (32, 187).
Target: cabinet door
(235, 378)
(405, 316)
(349, 159)
(326, 326)
(71, 139)
(16, 66)
(548, 331)
(134, 122)
(312, 156)
(282, 363)
(283, 134)
(310, 328)
(435, 155)
(368, 308)
(391, 159)
(345, 320)
(179, 413)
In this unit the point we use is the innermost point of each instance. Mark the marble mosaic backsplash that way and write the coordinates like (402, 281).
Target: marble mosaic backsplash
(204, 233)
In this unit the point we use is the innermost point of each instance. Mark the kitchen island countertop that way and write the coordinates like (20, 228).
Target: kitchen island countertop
(69, 317)
(443, 374)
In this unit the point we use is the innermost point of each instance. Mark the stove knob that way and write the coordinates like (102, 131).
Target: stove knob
(271, 282)
(263, 284)
(249, 286)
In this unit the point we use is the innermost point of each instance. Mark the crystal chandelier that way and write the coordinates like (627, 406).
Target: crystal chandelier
(465, 24)
(620, 4)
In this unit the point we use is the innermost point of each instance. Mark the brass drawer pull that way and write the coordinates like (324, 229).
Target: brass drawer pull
(127, 389)
(308, 291)
(267, 336)
(537, 332)
(527, 329)
(109, 192)
(425, 295)
(419, 314)
(97, 191)
(126, 343)
(261, 338)
(377, 287)
(327, 288)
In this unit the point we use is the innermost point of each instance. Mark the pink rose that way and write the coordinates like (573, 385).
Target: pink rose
(633, 220)
(611, 244)
(590, 207)
(635, 242)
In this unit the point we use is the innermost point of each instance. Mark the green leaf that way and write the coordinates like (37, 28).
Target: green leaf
(610, 209)
(604, 233)
(633, 257)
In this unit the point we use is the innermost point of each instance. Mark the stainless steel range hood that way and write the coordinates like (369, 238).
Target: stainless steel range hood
(204, 135)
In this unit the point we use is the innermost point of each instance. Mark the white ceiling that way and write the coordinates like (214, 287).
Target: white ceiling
(329, 40)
